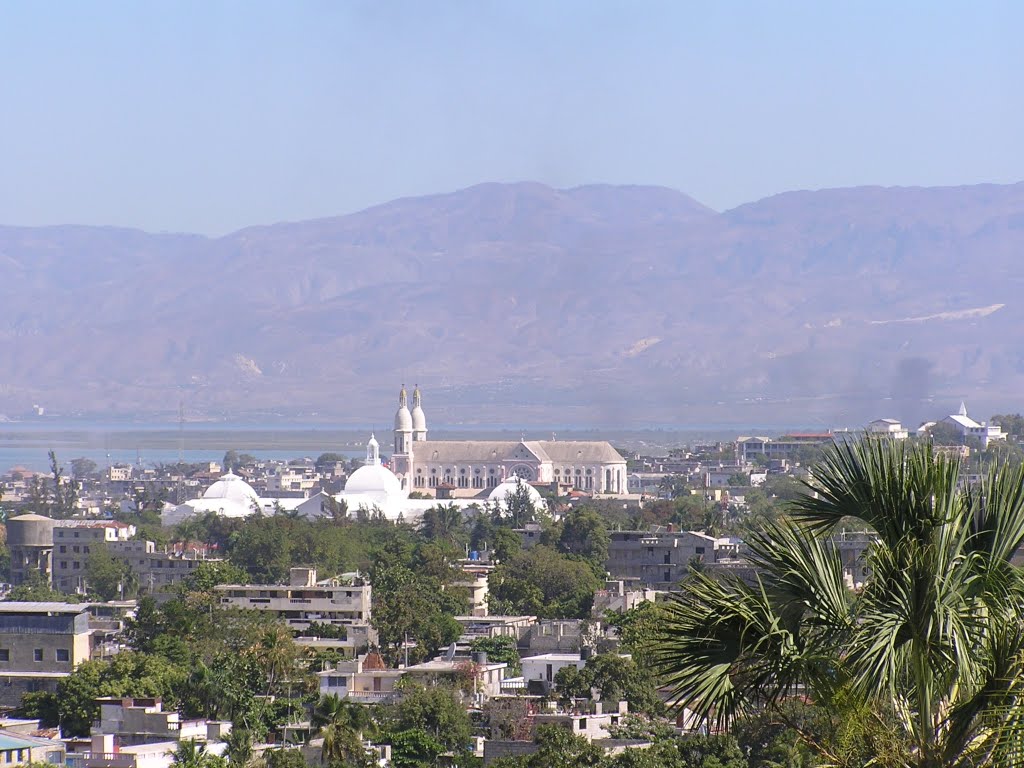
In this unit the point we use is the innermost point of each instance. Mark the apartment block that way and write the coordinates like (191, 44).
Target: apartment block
(657, 559)
(40, 644)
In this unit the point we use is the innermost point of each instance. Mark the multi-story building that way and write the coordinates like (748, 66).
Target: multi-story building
(74, 541)
(888, 428)
(145, 721)
(658, 559)
(364, 679)
(157, 568)
(785, 447)
(343, 602)
(40, 644)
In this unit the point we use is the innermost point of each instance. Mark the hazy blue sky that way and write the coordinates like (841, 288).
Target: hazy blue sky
(208, 116)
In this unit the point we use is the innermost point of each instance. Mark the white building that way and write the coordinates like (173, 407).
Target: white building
(230, 496)
(969, 428)
(541, 669)
(888, 428)
(469, 466)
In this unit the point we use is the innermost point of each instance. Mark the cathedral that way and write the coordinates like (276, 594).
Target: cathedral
(468, 467)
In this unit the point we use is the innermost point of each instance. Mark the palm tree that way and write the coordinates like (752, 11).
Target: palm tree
(442, 523)
(190, 754)
(343, 724)
(933, 645)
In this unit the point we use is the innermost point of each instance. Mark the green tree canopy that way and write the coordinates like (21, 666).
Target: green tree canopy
(933, 642)
(543, 582)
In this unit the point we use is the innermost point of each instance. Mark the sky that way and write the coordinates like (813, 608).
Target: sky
(210, 116)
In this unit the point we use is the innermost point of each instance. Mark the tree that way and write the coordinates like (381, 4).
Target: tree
(542, 582)
(82, 468)
(342, 724)
(933, 643)
(414, 748)
(284, 758)
(437, 712)
(128, 674)
(502, 649)
(944, 433)
(585, 534)
(109, 577)
(213, 573)
(64, 492)
(1012, 424)
(239, 747)
(638, 629)
(35, 589)
(410, 606)
(443, 523)
(192, 754)
(557, 747)
(615, 679)
(519, 506)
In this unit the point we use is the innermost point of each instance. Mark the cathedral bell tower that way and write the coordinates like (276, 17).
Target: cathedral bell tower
(419, 419)
(403, 424)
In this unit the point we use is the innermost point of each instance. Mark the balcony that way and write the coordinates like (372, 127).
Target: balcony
(109, 760)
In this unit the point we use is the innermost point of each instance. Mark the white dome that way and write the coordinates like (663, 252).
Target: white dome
(233, 488)
(419, 420)
(375, 479)
(510, 486)
(403, 420)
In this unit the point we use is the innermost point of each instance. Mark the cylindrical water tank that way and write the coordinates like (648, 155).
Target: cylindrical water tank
(30, 531)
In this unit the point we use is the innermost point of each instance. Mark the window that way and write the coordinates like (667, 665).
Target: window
(5, 654)
(63, 548)
(699, 550)
(63, 654)
(37, 654)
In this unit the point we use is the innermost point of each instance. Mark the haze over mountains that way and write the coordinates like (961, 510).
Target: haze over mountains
(521, 304)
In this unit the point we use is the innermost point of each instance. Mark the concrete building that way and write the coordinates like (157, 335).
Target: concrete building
(365, 680)
(343, 602)
(157, 568)
(481, 676)
(658, 559)
(145, 721)
(477, 627)
(74, 541)
(621, 595)
(40, 644)
(787, 447)
(30, 540)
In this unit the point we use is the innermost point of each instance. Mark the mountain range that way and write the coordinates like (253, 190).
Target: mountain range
(520, 304)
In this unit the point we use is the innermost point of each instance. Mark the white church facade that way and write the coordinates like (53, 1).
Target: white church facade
(470, 472)
(468, 467)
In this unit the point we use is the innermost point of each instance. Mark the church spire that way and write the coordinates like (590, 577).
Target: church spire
(403, 401)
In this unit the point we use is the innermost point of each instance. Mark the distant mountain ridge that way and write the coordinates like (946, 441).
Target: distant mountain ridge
(519, 303)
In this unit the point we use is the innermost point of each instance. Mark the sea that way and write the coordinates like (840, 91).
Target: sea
(26, 444)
